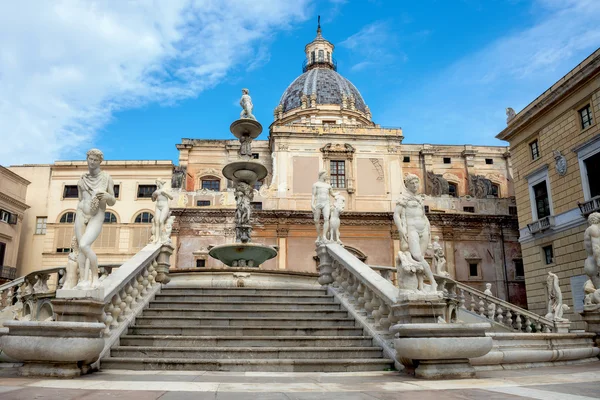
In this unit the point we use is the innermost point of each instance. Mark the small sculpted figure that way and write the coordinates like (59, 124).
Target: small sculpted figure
(161, 197)
(244, 194)
(556, 308)
(337, 207)
(488, 289)
(415, 236)
(510, 114)
(247, 106)
(96, 191)
(439, 258)
(72, 273)
(245, 146)
(320, 204)
(591, 240)
(166, 233)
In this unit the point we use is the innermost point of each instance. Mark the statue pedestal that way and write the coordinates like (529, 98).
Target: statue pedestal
(78, 310)
(592, 318)
(419, 308)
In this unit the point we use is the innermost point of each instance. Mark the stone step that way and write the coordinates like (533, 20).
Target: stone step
(231, 313)
(246, 298)
(245, 341)
(253, 353)
(181, 322)
(243, 331)
(244, 291)
(241, 365)
(238, 305)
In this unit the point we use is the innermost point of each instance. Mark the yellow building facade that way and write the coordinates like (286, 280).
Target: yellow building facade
(555, 146)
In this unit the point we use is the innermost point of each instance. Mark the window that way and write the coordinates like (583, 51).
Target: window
(256, 205)
(592, 168)
(258, 185)
(211, 184)
(548, 253)
(338, 173)
(469, 209)
(452, 189)
(144, 218)
(63, 250)
(406, 159)
(328, 56)
(321, 56)
(255, 156)
(67, 218)
(4, 216)
(426, 208)
(110, 218)
(2, 252)
(70, 192)
(328, 122)
(495, 190)
(512, 210)
(447, 160)
(519, 269)
(40, 225)
(489, 161)
(535, 150)
(312, 56)
(542, 202)
(145, 191)
(585, 116)
(117, 189)
(200, 263)
(473, 269)
(203, 203)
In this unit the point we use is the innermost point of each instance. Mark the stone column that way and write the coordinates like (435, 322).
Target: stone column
(469, 155)
(427, 153)
(282, 235)
(448, 237)
(325, 268)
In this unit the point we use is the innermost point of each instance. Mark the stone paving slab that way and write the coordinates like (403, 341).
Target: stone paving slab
(578, 382)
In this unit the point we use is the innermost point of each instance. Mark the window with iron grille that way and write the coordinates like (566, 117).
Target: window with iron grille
(535, 150)
(110, 218)
(338, 173)
(70, 192)
(40, 225)
(211, 184)
(203, 203)
(585, 115)
(542, 201)
(144, 218)
(67, 218)
(145, 191)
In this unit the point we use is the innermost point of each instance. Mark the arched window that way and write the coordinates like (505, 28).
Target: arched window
(110, 218)
(210, 183)
(321, 56)
(452, 189)
(495, 190)
(144, 218)
(67, 218)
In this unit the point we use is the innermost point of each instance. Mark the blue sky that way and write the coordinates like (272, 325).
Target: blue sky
(133, 78)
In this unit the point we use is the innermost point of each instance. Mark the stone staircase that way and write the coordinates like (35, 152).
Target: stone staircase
(246, 329)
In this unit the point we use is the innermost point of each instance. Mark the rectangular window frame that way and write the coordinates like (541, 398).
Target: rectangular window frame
(205, 203)
(587, 150)
(64, 192)
(469, 209)
(489, 161)
(335, 176)
(516, 262)
(474, 261)
(211, 181)
(447, 160)
(586, 116)
(406, 159)
(41, 225)
(533, 179)
(545, 259)
(117, 190)
(534, 149)
(5, 216)
(137, 191)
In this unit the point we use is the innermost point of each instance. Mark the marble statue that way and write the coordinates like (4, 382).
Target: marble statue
(166, 233)
(244, 194)
(591, 239)
(320, 204)
(247, 106)
(439, 258)
(71, 273)
(556, 308)
(415, 237)
(96, 191)
(488, 289)
(161, 197)
(245, 146)
(339, 203)
(510, 114)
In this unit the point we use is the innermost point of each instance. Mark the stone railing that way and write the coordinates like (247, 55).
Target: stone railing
(541, 224)
(497, 310)
(590, 206)
(29, 297)
(386, 272)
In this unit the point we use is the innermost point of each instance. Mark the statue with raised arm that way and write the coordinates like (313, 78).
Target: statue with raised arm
(95, 191)
(339, 203)
(161, 197)
(556, 308)
(415, 238)
(247, 106)
(320, 204)
(591, 241)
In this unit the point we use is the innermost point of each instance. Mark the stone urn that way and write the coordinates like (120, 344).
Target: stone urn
(51, 348)
(441, 351)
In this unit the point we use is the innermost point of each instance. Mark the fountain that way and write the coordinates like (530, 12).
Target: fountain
(244, 173)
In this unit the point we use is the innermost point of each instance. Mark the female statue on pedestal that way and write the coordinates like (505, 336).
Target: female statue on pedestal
(96, 191)
(161, 197)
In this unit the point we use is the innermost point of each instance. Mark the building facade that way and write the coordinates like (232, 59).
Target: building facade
(555, 146)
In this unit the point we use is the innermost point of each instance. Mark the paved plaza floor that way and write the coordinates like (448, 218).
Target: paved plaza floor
(560, 383)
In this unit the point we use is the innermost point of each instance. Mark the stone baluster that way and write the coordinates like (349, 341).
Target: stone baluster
(528, 325)
(107, 317)
(384, 321)
(360, 298)
(499, 316)
(473, 303)
(376, 314)
(547, 329)
(368, 305)
(518, 322)
(123, 305)
(41, 283)
(145, 281)
(140, 287)
(152, 273)
(481, 307)
(538, 327)
(116, 310)
(491, 310)
(133, 291)
(335, 273)
(461, 299)
(508, 321)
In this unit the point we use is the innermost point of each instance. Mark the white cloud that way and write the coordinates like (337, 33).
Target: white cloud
(375, 43)
(66, 66)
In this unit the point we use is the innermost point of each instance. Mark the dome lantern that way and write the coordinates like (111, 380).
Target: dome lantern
(319, 52)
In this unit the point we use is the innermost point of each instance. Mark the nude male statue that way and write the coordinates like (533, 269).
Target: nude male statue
(321, 192)
(591, 241)
(415, 231)
(161, 197)
(247, 106)
(96, 191)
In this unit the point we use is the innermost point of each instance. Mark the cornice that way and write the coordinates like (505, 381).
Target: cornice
(22, 206)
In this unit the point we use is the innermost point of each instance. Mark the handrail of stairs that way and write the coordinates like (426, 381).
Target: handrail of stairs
(497, 310)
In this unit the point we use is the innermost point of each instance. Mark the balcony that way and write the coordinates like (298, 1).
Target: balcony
(541, 224)
(590, 206)
(8, 273)
(306, 65)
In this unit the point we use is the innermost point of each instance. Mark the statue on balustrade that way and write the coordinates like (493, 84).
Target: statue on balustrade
(96, 191)
(591, 239)
(161, 197)
(339, 203)
(556, 308)
(415, 238)
(488, 289)
(439, 258)
(320, 204)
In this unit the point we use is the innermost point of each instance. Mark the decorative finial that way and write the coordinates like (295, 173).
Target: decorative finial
(318, 26)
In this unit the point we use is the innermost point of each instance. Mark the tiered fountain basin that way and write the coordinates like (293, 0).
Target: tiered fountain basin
(246, 127)
(246, 171)
(232, 254)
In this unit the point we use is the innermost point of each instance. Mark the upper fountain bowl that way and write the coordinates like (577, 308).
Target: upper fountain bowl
(245, 171)
(246, 127)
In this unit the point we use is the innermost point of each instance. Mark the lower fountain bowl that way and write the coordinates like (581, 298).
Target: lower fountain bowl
(243, 254)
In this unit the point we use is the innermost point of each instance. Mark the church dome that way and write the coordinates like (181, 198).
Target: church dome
(329, 87)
